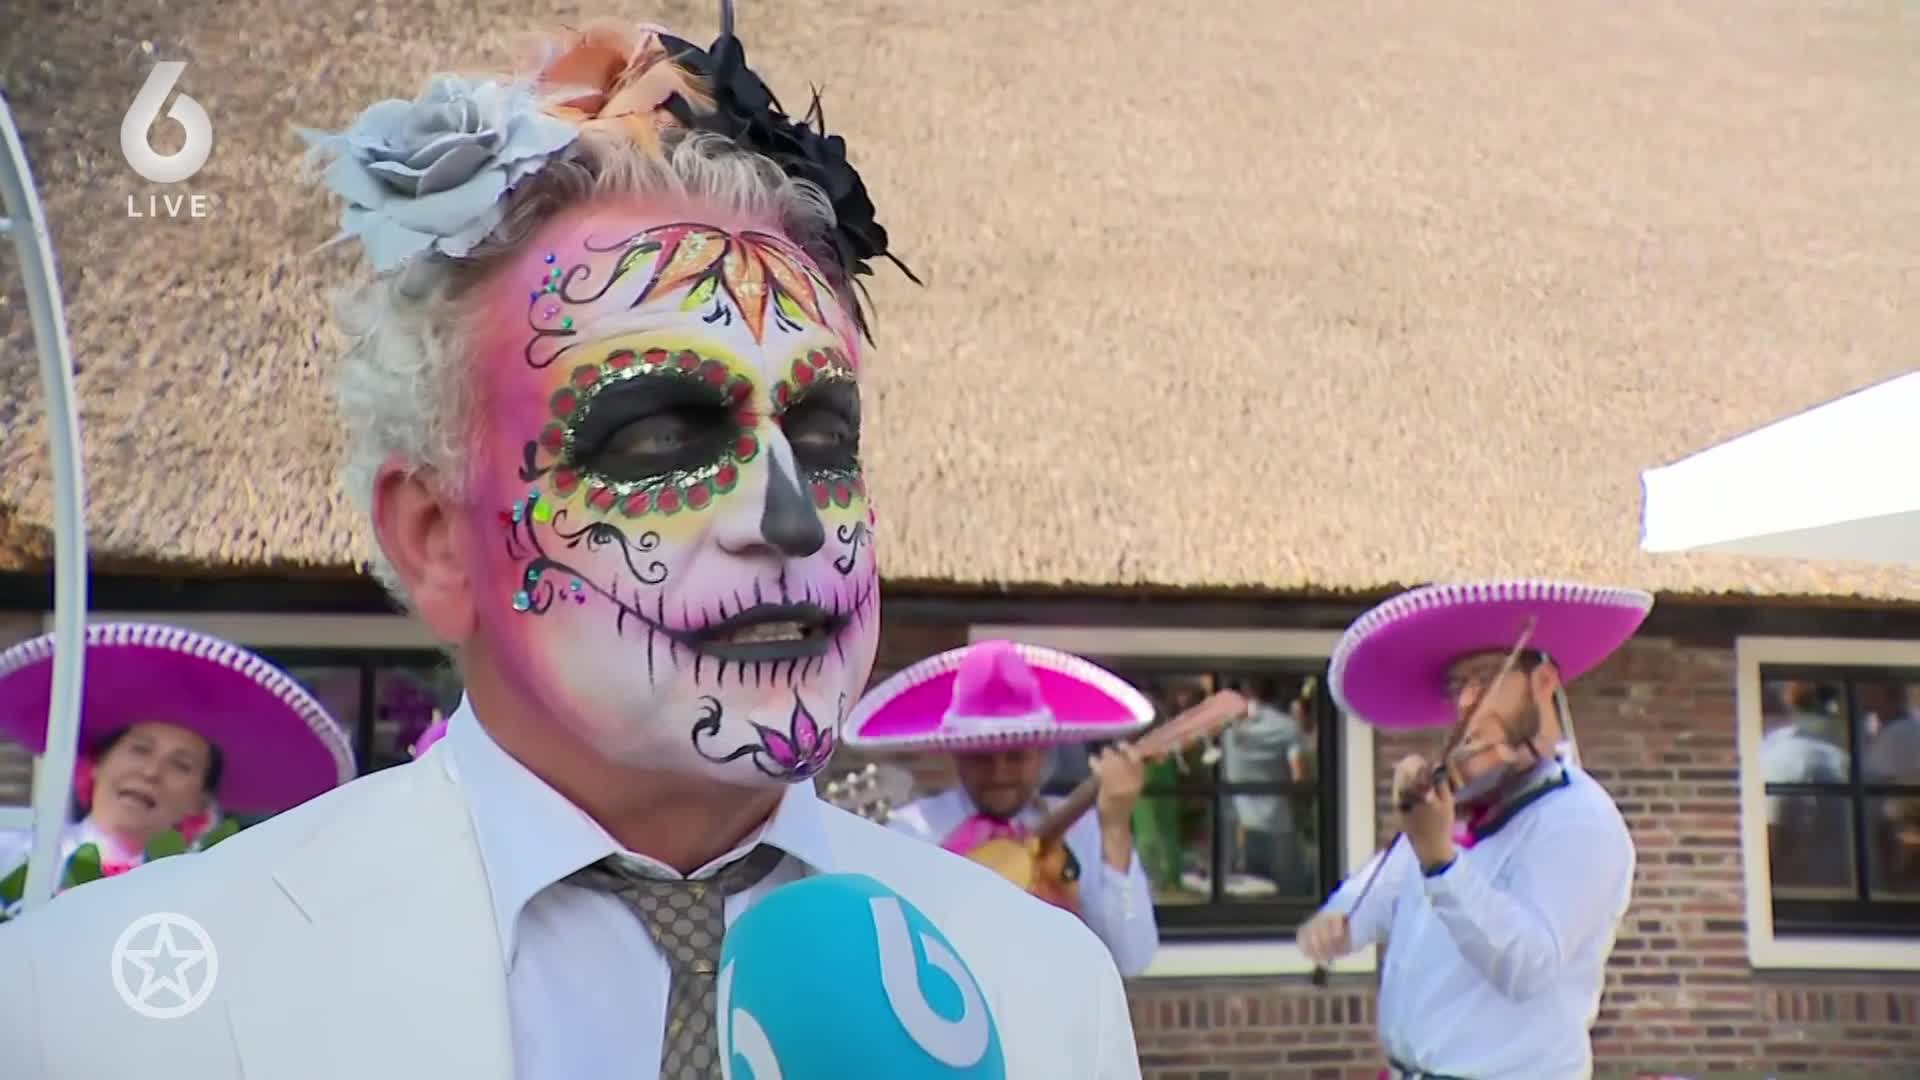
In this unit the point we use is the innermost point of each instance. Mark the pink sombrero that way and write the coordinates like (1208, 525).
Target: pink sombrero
(1390, 667)
(279, 746)
(997, 695)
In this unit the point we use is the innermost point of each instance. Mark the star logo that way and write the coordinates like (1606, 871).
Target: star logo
(164, 965)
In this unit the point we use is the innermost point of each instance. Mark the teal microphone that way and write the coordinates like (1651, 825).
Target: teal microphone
(838, 977)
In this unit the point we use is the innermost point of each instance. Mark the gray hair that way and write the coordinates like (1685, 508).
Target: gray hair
(399, 389)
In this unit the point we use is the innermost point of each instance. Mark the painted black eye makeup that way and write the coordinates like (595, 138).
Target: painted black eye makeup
(823, 427)
(645, 427)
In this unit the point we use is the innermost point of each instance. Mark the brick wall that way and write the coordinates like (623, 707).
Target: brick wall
(1656, 726)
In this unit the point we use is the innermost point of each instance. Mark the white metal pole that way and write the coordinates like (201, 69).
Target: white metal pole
(53, 776)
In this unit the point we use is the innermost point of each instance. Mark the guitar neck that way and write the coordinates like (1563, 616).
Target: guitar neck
(1070, 809)
(1203, 719)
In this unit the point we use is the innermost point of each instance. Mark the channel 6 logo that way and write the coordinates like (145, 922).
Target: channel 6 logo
(138, 125)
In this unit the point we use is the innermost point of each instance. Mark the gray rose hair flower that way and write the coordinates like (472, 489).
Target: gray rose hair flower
(431, 173)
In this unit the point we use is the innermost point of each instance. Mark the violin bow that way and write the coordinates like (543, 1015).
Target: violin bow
(26, 220)
(1448, 758)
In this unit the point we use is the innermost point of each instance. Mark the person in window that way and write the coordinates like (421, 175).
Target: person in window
(1502, 898)
(174, 726)
(603, 397)
(1804, 745)
(1268, 749)
(1892, 756)
(999, 708)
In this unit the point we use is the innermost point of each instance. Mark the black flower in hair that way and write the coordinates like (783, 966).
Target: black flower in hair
(746, 112)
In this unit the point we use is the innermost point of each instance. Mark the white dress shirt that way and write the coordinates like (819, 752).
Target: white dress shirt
(1117, 906)
(1494, 966)
(585, 984)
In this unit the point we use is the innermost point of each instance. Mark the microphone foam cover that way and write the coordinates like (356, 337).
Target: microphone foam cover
(836, 977)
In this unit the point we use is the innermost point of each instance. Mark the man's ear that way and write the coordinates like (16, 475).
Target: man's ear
(419, 530)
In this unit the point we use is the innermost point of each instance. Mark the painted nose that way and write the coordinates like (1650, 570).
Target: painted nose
(788, 519)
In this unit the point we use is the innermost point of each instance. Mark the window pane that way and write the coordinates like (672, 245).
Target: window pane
(1890, 733)
(1273, 746)
(1810, 838)
(1174, 834)
(406, 700)
(1271, 836)
(1268, 856)
(1893, 848)
(1806, 734)
(337, 689)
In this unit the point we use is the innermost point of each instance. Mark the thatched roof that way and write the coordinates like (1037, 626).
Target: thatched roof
(1317, 295)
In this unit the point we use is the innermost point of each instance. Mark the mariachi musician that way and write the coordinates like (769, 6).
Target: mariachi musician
(999, 709)
(1502, 895)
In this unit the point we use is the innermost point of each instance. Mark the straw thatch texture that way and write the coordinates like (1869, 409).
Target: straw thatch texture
(1326, 295)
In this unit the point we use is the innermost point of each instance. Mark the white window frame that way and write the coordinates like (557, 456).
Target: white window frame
(1253, 956)
(1800, 952)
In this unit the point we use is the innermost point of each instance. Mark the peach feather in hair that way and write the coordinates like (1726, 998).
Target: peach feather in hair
(612, 79)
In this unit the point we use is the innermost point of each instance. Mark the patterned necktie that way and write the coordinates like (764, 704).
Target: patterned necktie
(686, 919)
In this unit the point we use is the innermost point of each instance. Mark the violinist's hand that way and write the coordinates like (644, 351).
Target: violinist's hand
(1325, 938)
(1429, 824)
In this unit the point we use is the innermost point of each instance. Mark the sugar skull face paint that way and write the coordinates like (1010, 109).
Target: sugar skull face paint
(668, 485)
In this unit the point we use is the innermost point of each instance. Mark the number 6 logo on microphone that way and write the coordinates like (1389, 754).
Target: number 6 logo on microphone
(837, 976)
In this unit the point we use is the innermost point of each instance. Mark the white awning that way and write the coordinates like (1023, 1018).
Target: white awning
(1840, 482)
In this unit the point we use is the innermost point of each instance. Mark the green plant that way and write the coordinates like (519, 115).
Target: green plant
(84, 865)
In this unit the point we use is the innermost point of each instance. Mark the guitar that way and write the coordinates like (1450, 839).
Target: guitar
(871, 792)
(1039, 863)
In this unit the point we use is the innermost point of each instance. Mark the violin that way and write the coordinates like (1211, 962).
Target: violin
(1040, 862)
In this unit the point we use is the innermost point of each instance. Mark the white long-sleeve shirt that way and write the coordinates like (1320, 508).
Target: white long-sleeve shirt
(1494, 966)
(1117, 907)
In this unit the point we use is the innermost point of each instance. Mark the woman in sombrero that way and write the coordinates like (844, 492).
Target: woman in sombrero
(999, 709)
(176, 727)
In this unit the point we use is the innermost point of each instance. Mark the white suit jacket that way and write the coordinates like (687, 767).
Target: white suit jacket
(355, 936)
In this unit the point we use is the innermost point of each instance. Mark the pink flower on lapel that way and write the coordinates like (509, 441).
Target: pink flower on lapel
(434, 733)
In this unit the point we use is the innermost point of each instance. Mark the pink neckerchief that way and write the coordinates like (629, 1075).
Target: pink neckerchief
(1466, 833)
(979, 829)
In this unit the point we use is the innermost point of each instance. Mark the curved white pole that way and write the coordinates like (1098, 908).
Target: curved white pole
(53, 777)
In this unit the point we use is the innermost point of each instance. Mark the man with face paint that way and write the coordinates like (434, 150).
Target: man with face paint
(1503, 895)
(603, 396)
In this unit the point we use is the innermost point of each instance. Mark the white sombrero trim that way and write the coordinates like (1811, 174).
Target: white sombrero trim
(959, 723)
(1461, 594)
(200, 646)
(934, 667)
